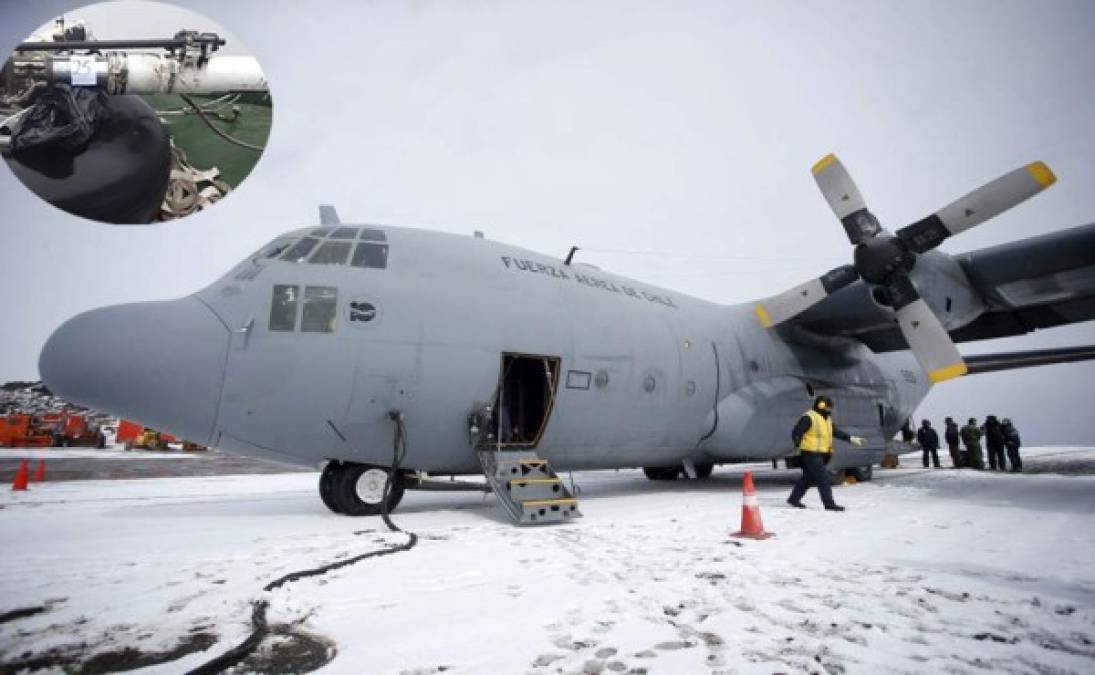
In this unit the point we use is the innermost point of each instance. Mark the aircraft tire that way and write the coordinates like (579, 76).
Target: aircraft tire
(357, 485)
(704, 469)
(662, 472)
(327, 481)
(863, 473)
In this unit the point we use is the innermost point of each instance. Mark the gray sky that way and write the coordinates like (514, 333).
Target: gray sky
(685, 127)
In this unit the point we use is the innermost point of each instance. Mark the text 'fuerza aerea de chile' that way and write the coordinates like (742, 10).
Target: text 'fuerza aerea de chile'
(525, 265)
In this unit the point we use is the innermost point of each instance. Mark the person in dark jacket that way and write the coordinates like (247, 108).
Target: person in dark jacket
(950, 434)
(1011, 442)
(994, 443)
(813, 437)
(929, 442)
(971, 438)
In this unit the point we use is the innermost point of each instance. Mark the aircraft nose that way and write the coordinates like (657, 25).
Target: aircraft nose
(157, 363)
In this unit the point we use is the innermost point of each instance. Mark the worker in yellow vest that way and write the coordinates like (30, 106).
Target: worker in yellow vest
(813, 438)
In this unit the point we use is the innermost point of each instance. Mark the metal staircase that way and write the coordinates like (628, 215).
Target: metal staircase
(527, 487)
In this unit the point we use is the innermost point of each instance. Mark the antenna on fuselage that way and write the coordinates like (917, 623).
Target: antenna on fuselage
(328, 215)
(570, 256)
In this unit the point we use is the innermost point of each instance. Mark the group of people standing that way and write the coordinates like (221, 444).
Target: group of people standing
(814, 432)
(999, 436)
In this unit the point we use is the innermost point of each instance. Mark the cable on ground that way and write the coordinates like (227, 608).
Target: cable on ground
(259, 626)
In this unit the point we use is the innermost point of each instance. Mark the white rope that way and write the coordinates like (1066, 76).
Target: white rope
(185, 190)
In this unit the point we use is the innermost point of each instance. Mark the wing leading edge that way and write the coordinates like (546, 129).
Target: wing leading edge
(1027, 285)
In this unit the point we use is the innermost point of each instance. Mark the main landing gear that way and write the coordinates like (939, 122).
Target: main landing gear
(703, 470)
(358, 489)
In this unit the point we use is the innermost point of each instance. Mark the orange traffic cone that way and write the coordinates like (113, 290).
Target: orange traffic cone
(20, 482)
(40, 472)
(751, 527)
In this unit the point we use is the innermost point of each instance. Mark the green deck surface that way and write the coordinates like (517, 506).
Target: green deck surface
(205, 149)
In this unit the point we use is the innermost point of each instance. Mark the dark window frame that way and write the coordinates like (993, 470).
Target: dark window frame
(330, 317)
(579, 383)
(365, 255)
(306, 246)
(329, 244)
(294, 303)
(343, 232)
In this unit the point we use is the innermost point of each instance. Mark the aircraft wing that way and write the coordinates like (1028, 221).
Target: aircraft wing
(1035, 283)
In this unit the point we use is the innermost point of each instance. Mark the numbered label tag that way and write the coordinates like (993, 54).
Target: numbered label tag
(81, 71)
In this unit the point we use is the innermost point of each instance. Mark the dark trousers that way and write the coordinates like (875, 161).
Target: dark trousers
(934, 454)
(814, 474)
(1013, 455)
(996, 457)
(974, 459)
(956, 455)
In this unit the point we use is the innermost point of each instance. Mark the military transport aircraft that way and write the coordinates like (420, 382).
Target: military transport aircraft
(491, 358)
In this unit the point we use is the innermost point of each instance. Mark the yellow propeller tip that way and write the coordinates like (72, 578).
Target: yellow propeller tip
(1042, 174)
(950, 372)
(822, 163)
(762, 314)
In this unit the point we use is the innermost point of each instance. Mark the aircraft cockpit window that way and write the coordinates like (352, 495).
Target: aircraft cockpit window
(321, 231)
(370, 234)
(331, 253)
(300, 250)
(368, 254)
(320, 309)
(344, 233)
(283, 308)
(273, 249)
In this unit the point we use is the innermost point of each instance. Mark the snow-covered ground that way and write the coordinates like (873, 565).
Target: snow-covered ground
(928, 571)
(112, 452)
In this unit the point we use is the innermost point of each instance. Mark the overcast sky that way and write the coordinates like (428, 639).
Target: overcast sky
(687, 128)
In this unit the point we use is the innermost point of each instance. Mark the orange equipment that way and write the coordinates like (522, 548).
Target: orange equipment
(76, 432)
(24, 431)
(40, 472)
(751, 525)
(128, 431)
(139, 437)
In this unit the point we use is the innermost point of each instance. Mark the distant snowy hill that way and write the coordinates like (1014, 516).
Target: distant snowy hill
(32, 398)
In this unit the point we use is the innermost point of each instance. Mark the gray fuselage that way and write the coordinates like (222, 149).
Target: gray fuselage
(648, 377)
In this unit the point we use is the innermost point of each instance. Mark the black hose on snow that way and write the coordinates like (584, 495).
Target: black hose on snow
(259, 626)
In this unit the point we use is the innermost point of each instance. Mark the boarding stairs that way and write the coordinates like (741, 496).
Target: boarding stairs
(527, 487)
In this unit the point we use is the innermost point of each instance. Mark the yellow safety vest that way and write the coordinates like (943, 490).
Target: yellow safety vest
(819, 437)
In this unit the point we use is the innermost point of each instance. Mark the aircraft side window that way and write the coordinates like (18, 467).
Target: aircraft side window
(371, 234)
(300, 250)
(320, 309)
(331, 253)
(283, 308)
(344, 233)
(368, 254)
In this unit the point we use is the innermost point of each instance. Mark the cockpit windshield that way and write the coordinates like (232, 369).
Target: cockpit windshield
(365, 247)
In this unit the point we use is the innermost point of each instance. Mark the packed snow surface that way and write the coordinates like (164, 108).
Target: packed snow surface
(111, 452)
(928, 571)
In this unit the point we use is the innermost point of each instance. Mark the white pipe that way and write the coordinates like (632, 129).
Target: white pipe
(150, 73)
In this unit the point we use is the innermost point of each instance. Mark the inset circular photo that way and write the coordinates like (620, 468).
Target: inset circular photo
(132, 112)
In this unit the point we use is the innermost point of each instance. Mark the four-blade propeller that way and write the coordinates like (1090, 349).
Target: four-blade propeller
(884, 260)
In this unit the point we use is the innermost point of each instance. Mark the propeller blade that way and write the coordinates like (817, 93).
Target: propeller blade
(839, 190)
(928, 340)
(779, 308)
(978, 206)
